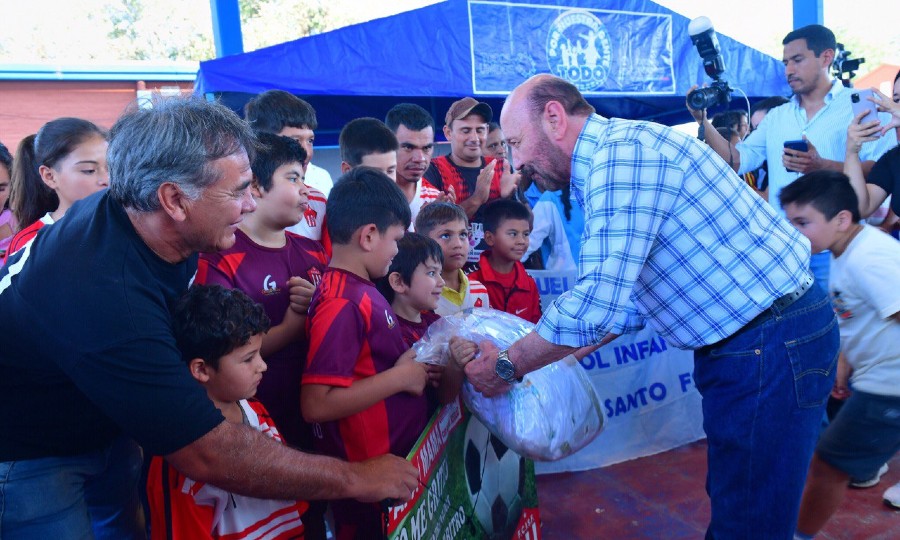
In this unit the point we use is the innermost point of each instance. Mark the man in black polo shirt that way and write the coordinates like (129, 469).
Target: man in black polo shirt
(88, 361)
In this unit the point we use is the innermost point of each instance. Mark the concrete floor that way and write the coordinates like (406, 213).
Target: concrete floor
(663, 497)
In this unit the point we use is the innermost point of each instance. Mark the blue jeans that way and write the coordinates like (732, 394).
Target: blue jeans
(764, 391)
(820, 266)
(89, 496)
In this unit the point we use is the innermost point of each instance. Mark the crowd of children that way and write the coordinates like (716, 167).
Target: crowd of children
(303, 329)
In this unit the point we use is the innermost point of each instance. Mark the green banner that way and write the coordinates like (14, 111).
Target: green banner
(472, 486)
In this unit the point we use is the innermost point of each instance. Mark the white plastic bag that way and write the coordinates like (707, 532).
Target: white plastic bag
(551, 414)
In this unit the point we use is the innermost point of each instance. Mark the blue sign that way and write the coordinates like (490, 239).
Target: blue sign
(602, 52)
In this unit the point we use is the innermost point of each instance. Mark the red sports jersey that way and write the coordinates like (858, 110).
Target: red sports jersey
(413, 331)
(515, 292)
(182, 509)
(443, 173)
(355, 334)
(26, 235)
(262, 273)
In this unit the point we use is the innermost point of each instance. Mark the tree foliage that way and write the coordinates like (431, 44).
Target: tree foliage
(153, 30)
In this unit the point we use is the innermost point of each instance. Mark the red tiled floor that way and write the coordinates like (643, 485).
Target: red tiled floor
(663, 496)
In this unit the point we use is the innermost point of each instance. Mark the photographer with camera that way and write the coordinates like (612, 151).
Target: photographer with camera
(815, 118)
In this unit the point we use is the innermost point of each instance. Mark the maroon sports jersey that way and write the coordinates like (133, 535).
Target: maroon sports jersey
(262, 273)
(355, 334)
(413, 331)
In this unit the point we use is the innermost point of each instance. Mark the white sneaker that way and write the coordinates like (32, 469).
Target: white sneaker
(892, 496)
(859, 484)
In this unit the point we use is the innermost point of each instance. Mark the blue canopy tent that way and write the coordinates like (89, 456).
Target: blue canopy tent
(631, 58)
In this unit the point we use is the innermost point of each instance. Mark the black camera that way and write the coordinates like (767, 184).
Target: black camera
(703, 36)
(844, 67)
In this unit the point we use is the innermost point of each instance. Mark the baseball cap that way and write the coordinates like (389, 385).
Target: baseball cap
(466, 106)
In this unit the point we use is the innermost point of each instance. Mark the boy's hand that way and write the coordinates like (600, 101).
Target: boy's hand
(301, 292)
(414, 375)
(293, 318)
(435, 374)
(841, 389)
(462, 351)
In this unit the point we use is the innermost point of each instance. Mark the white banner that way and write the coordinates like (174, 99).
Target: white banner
(646, 388)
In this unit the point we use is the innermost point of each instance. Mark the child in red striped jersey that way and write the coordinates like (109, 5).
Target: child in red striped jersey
(278, 270)
(362, 386)
(219, 332)
(413, 287)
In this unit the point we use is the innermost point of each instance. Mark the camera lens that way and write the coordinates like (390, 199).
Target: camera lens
(854, 98)
(703, 98)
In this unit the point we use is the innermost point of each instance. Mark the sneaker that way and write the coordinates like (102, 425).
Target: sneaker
(861, 484)
(892, 496)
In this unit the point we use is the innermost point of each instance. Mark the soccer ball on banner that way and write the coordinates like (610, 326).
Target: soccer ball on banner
(495, 478)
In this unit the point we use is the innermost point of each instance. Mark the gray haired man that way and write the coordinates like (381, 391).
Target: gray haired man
(88, 361)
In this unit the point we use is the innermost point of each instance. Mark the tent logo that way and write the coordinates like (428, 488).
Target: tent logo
(579, 50)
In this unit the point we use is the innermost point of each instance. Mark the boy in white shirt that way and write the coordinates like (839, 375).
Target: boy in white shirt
(865, 291)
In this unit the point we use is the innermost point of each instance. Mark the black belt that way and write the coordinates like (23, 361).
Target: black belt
(785, 301)
(780, 304)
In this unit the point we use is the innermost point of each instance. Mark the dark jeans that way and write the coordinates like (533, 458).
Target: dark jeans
(764, 392)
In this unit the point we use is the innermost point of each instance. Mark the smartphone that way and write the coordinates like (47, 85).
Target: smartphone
(860, 102)
(800, 145)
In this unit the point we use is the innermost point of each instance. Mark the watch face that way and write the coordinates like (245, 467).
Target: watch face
(505, 369)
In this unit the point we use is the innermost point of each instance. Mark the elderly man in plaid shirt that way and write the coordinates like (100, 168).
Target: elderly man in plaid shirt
(673, 238)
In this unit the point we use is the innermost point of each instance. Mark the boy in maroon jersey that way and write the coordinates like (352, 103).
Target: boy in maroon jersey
(279, 270)
(413, 286)
(362, 386)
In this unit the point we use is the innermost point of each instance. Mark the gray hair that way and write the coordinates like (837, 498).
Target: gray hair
(175, 141)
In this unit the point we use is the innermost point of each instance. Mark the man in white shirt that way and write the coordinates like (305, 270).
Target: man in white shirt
(818, 112)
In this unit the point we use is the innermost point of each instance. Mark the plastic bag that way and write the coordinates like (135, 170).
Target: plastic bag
(551, 414)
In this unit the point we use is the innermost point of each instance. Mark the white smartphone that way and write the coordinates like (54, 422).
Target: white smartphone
(859, 99)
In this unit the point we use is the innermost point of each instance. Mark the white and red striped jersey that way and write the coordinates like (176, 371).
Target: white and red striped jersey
(313, 219)
(425, 193)
(183, 509)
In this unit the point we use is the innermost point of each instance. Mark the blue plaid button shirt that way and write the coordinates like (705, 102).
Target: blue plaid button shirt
(672, 237)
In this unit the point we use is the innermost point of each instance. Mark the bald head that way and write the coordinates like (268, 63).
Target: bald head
(537, 91)
(542, 119)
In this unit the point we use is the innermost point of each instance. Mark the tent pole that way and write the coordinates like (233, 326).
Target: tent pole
(808, 12)
(226, 22)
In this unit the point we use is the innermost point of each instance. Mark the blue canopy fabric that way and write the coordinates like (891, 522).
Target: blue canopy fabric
(631, 59)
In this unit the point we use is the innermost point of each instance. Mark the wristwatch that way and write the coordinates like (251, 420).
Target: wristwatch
(505, 369)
